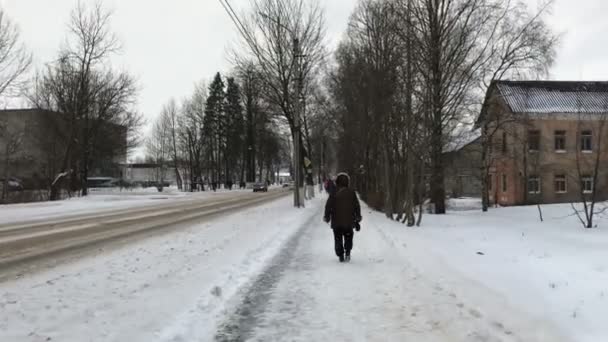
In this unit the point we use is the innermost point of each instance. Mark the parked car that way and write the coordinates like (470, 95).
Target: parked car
(100, 182)
(260, 187)
(14, 184)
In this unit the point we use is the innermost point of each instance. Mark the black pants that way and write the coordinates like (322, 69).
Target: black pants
(343, 240)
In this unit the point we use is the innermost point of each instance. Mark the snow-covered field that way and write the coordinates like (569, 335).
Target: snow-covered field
(554, 271)
(99, 200)
(269, 274)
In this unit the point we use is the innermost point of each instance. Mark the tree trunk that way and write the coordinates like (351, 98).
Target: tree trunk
(409, 188)
(388, 209)
(437, 185)
(6, 173)
(178, 178)
(421, 196)
(85, 176)
(484, 171)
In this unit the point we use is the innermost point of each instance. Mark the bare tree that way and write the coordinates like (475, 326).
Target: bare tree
(191, 132)
(15, 60)
(97, 102)
(285, 38)
(251, 88)
(462, 43)
(590, 159)
(159, 147)
(523, 46)
(170, 111)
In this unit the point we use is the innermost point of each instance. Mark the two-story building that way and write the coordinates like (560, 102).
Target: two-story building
(548, 141)
(42, 137)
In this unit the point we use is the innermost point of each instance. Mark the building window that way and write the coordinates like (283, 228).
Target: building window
(534, 185)
(560, 184)
(504, 183)
(560, 141)
(533, 140)
(504, 142)
(586, 141)
(587, 185)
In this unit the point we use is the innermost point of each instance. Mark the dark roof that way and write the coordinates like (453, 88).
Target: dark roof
(554, 96)
(27, 110)
(462, 140)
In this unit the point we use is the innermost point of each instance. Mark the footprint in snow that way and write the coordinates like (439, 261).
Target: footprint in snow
(475, 313)
(216, 291)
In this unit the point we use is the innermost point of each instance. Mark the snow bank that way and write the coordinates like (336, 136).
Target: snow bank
(555, 271)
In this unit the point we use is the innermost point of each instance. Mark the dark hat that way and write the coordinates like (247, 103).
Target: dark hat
(343, 180)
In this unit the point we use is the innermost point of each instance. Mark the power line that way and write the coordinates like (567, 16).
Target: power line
(249, 39)
(235, 20)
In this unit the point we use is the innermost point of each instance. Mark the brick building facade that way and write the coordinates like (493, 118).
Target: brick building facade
(548, 141)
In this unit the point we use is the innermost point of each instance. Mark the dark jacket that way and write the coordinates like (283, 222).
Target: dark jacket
(343, 209)
(330, 187)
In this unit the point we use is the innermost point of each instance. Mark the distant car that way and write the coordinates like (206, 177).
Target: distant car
(14, 184)
(260, 187)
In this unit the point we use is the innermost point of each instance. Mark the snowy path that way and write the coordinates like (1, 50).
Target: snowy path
(307, 295)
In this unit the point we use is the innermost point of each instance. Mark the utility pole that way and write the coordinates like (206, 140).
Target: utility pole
(296, 122)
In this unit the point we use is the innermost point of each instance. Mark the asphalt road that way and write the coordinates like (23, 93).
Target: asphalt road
(27, 242)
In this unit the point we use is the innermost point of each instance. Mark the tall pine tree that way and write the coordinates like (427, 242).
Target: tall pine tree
(235, 130)
(214, 127)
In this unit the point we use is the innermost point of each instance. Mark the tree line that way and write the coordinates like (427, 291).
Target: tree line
(411, 76)
(221, 134)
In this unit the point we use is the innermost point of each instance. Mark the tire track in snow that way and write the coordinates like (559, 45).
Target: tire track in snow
(240, 325)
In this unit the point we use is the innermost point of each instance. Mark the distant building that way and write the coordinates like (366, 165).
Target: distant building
(548, 135)
(462, 165)
(43, 145)
(148, 173)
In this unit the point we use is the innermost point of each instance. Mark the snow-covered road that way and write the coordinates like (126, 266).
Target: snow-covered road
(170, 287)
(264, 274)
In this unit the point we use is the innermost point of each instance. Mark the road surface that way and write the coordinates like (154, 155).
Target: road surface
(27, 241)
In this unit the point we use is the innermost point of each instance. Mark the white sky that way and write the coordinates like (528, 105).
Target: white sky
(170, 45)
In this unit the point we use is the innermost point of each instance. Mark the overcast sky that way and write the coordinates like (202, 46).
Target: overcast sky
(170, 45)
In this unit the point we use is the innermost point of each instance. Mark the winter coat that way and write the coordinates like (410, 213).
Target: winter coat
(343, 209)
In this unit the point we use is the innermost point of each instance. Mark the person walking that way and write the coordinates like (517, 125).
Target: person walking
(330, 187)
(344, 212)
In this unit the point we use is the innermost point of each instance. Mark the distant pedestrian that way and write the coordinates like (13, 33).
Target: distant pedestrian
(330, 187)
(344, 212)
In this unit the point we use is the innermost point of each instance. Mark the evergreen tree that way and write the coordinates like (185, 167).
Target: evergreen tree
(214, 127)
(235, 129)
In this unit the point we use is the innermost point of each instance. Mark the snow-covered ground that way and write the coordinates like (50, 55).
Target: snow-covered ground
(100, 200)
(554, 272)
(270, 274)
(166, 288)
